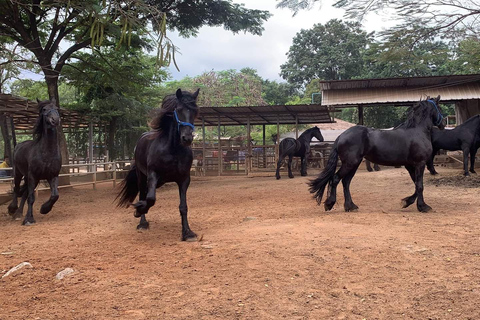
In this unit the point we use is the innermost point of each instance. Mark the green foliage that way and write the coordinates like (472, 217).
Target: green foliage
(329, 52)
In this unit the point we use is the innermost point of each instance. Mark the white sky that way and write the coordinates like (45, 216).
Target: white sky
(217, 49)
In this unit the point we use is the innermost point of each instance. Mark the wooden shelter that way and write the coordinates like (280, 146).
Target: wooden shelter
(462, 90)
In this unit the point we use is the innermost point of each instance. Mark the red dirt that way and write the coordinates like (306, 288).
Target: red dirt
(290, 260)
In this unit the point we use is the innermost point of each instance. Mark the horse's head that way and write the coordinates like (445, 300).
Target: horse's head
(185, 114)
(48, 112)
(437, 117)
(317, 134)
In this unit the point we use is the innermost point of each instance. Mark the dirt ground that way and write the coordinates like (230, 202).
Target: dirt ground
(268, 252)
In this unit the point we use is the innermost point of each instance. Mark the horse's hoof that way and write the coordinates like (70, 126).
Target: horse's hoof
(291, 177)
(466, 174)
(28, 223)
(352, 208)
(425, 208)
(143, 226)
(473, 171)
(189, 236)
(303, 174)
(12, 209)
(45, 210)
(328, 206)
(369, 170)
(278, 177)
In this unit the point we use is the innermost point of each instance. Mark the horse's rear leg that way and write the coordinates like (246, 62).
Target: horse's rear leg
(421, 205)
(473, 153)
(187, 234)
(409, 200)
(13, 206)
(279, 164)
(430, 165)
(290, 174)
(347, 179)
(48, 205)
(142, 183)
(303, 168)
(466, 152)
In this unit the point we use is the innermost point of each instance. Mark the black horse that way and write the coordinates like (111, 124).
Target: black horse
(465, 137)
(300, 147)
(409, 145)
(368, 163)
(163, 155)
(35, 160)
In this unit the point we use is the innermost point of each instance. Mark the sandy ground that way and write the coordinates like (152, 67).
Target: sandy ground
(268, 252)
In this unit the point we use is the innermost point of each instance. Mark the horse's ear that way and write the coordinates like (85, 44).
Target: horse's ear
(179, 94)
(428, 98)
(195, 94)
(437, 98)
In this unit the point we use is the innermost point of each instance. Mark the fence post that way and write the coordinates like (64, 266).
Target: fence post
(94, 177)
(114, 174)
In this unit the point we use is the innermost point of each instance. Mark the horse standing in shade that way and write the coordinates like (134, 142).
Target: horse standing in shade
(300, 147)
(465, 137)
(409, 145)
(163, 155)
(35, 160)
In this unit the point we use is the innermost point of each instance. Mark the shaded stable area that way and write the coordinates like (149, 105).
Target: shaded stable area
(238, 155)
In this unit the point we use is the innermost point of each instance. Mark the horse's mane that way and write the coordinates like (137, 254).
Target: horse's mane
(307, 131)
(38, 128)
(416, 114)
(169, 104)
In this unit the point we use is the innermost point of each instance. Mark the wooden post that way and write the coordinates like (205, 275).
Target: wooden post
(114, 174)
(204, 158)
(248, 157)
(264, 149)
(90, 144)
(94, 177)
(14, 136)
(296, 126)
(219, 149)
(277, 144)
(360, 115)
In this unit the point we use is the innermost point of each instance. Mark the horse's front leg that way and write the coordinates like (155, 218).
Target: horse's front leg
(32, 184)
(187, 234)
(17, 180)
(290, 159)
(421, 205)
(142, 186)
(473, 153)
(48, 205)
(142, 206)
(430, 165)
(466, 152)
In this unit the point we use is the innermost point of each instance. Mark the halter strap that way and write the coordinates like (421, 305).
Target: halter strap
(181, 123)
(439, 114)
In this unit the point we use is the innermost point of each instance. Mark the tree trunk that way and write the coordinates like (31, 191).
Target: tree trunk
(52, 85)
(6, 138)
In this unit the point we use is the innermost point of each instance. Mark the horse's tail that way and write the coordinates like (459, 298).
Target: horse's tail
(318, 185)
(129, 187)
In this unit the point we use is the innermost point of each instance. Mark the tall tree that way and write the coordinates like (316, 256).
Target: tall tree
(53, 30)
(437, 16)
(330, 52)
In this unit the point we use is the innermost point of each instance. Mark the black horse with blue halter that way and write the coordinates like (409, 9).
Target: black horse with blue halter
(439, 114)
(181, 123)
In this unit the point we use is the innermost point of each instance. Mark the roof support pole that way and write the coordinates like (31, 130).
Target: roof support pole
(14, 136)
(248, 158)
(90, 144)
(296, 126)
(277, 143)
(203, 148)
(220, 165)
(264, 149)
(360, 115)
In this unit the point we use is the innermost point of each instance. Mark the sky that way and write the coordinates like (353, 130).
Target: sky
(217, 49)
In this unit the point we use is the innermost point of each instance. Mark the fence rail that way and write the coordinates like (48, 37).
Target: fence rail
(90, 169)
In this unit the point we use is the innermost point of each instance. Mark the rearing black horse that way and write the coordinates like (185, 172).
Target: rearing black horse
(300, 147)
(163, 155)
(35, 160)
(409, 145)
(465, 137)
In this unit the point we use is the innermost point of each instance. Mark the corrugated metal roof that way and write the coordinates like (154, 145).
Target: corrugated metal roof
(400, 91)
(306, 114)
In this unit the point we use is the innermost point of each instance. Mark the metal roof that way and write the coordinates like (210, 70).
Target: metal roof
(258, 115)
(399, 91)
(25, 113)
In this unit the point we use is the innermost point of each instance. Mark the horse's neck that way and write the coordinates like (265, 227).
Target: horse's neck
(306, 136)
(49, 140)
(172, 136)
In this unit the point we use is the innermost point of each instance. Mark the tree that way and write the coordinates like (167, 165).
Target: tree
(54, 30)
(329, 52)
(438, 16)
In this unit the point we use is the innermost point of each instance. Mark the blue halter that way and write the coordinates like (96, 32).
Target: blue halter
(439, 115)
(181, 123)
